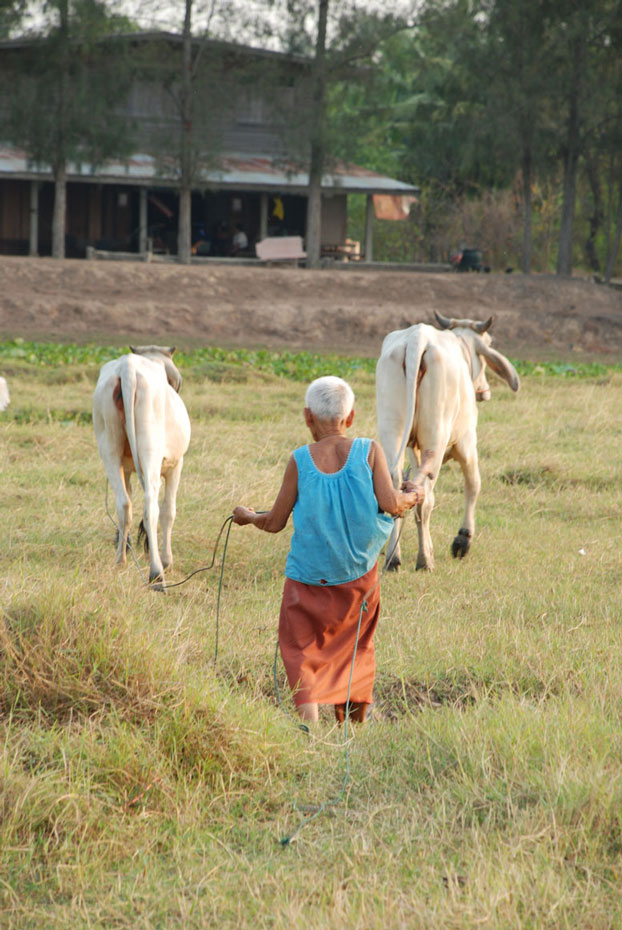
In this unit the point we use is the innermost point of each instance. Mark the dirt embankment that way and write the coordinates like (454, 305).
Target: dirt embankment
(539, 317)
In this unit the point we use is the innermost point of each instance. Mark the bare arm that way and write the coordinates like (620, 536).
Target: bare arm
(391, 501)
(275, 519)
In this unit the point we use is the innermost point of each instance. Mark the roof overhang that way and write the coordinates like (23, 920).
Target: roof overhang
(235, 172)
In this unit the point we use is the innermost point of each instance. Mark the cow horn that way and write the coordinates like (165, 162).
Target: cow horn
(484, 326)
(443, 321)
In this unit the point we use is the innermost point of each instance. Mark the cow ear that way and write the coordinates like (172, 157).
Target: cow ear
(501, 365)
(132, 349)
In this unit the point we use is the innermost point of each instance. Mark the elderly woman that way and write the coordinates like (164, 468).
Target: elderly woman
(340, 492)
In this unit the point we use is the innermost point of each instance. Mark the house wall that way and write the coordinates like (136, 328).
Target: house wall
(14, 216)
(244, 104)
(241, 103)
(334, 219)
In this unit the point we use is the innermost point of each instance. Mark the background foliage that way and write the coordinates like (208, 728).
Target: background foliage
(508, 116)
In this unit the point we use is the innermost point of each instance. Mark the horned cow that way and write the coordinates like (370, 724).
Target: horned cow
(142, 425)
(427, 384)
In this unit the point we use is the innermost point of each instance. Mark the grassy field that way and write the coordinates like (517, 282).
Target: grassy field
(148, 777)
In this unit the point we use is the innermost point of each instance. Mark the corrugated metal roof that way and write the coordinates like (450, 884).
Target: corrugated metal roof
(234, 172)
(172, 38)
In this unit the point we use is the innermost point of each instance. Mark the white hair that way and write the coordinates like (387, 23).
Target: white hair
(329, 398)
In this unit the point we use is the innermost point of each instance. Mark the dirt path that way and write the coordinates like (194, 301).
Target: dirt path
(539, 317)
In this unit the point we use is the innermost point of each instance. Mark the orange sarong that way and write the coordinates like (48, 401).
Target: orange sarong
(317, 634)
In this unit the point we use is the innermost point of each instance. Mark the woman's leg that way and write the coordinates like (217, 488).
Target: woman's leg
(358, 711)
(308, 712)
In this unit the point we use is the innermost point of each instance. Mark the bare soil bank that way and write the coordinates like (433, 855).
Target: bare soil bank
(539, 317)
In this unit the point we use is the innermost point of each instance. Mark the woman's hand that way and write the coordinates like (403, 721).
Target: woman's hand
(242, 515)
(410, 487)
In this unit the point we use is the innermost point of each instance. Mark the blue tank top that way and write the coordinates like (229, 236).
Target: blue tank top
(338, 528)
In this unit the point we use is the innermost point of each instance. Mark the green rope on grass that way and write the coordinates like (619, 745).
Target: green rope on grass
(222, 571)
(333, 802)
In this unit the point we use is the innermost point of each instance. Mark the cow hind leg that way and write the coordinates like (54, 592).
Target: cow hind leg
(128, 541)
(119, 485)
(467, 457)
(393, 557)
(425, 555)
(168, 511)
(124, 521)
(150, 529)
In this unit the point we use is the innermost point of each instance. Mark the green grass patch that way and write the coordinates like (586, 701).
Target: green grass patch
(146, 779)
(217, 364)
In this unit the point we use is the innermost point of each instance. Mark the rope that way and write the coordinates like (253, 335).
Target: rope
(164, 586)
(205, 568)
(333, 802)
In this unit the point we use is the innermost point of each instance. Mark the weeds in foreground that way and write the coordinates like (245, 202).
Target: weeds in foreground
(144, 785)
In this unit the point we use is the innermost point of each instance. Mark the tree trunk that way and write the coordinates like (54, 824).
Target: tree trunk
(60, 211)
(184, 227)
(571, 161)
(613, 253)
(314, 207)
(527, 210)
(184, 230)
(316, 163)
(596, 218)
(60, 167)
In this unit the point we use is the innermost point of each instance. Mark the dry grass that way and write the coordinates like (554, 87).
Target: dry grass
(144, 785)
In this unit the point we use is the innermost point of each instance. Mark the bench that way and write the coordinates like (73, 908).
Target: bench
(348, 251)
(280, 249)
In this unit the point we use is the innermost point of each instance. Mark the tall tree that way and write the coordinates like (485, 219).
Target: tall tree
(193, 140)
(317, 144)
(585, 49)
(483, 90)
(574, 50)
(516, 62)
(11, 13)
(184, 230)
(64, 108)
(341, 40)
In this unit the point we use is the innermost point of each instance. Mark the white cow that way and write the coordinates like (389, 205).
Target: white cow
(427, 385)
(142, 425)
(4, 395)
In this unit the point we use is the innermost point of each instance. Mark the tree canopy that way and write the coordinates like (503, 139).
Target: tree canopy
(507, 115)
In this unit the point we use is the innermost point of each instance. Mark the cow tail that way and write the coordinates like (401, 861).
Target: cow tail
(415, 347)
(128, 389)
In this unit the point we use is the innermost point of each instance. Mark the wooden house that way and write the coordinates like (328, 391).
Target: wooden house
(249, 160)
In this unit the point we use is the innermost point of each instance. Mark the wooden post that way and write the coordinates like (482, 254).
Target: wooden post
(142, 220)
(369, 229)
(33, 247)
(263, 217)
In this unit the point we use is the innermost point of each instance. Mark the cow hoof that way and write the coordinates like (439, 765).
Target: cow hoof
(461, 545)
(424, 566)
(156, 582)
(393, 565)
